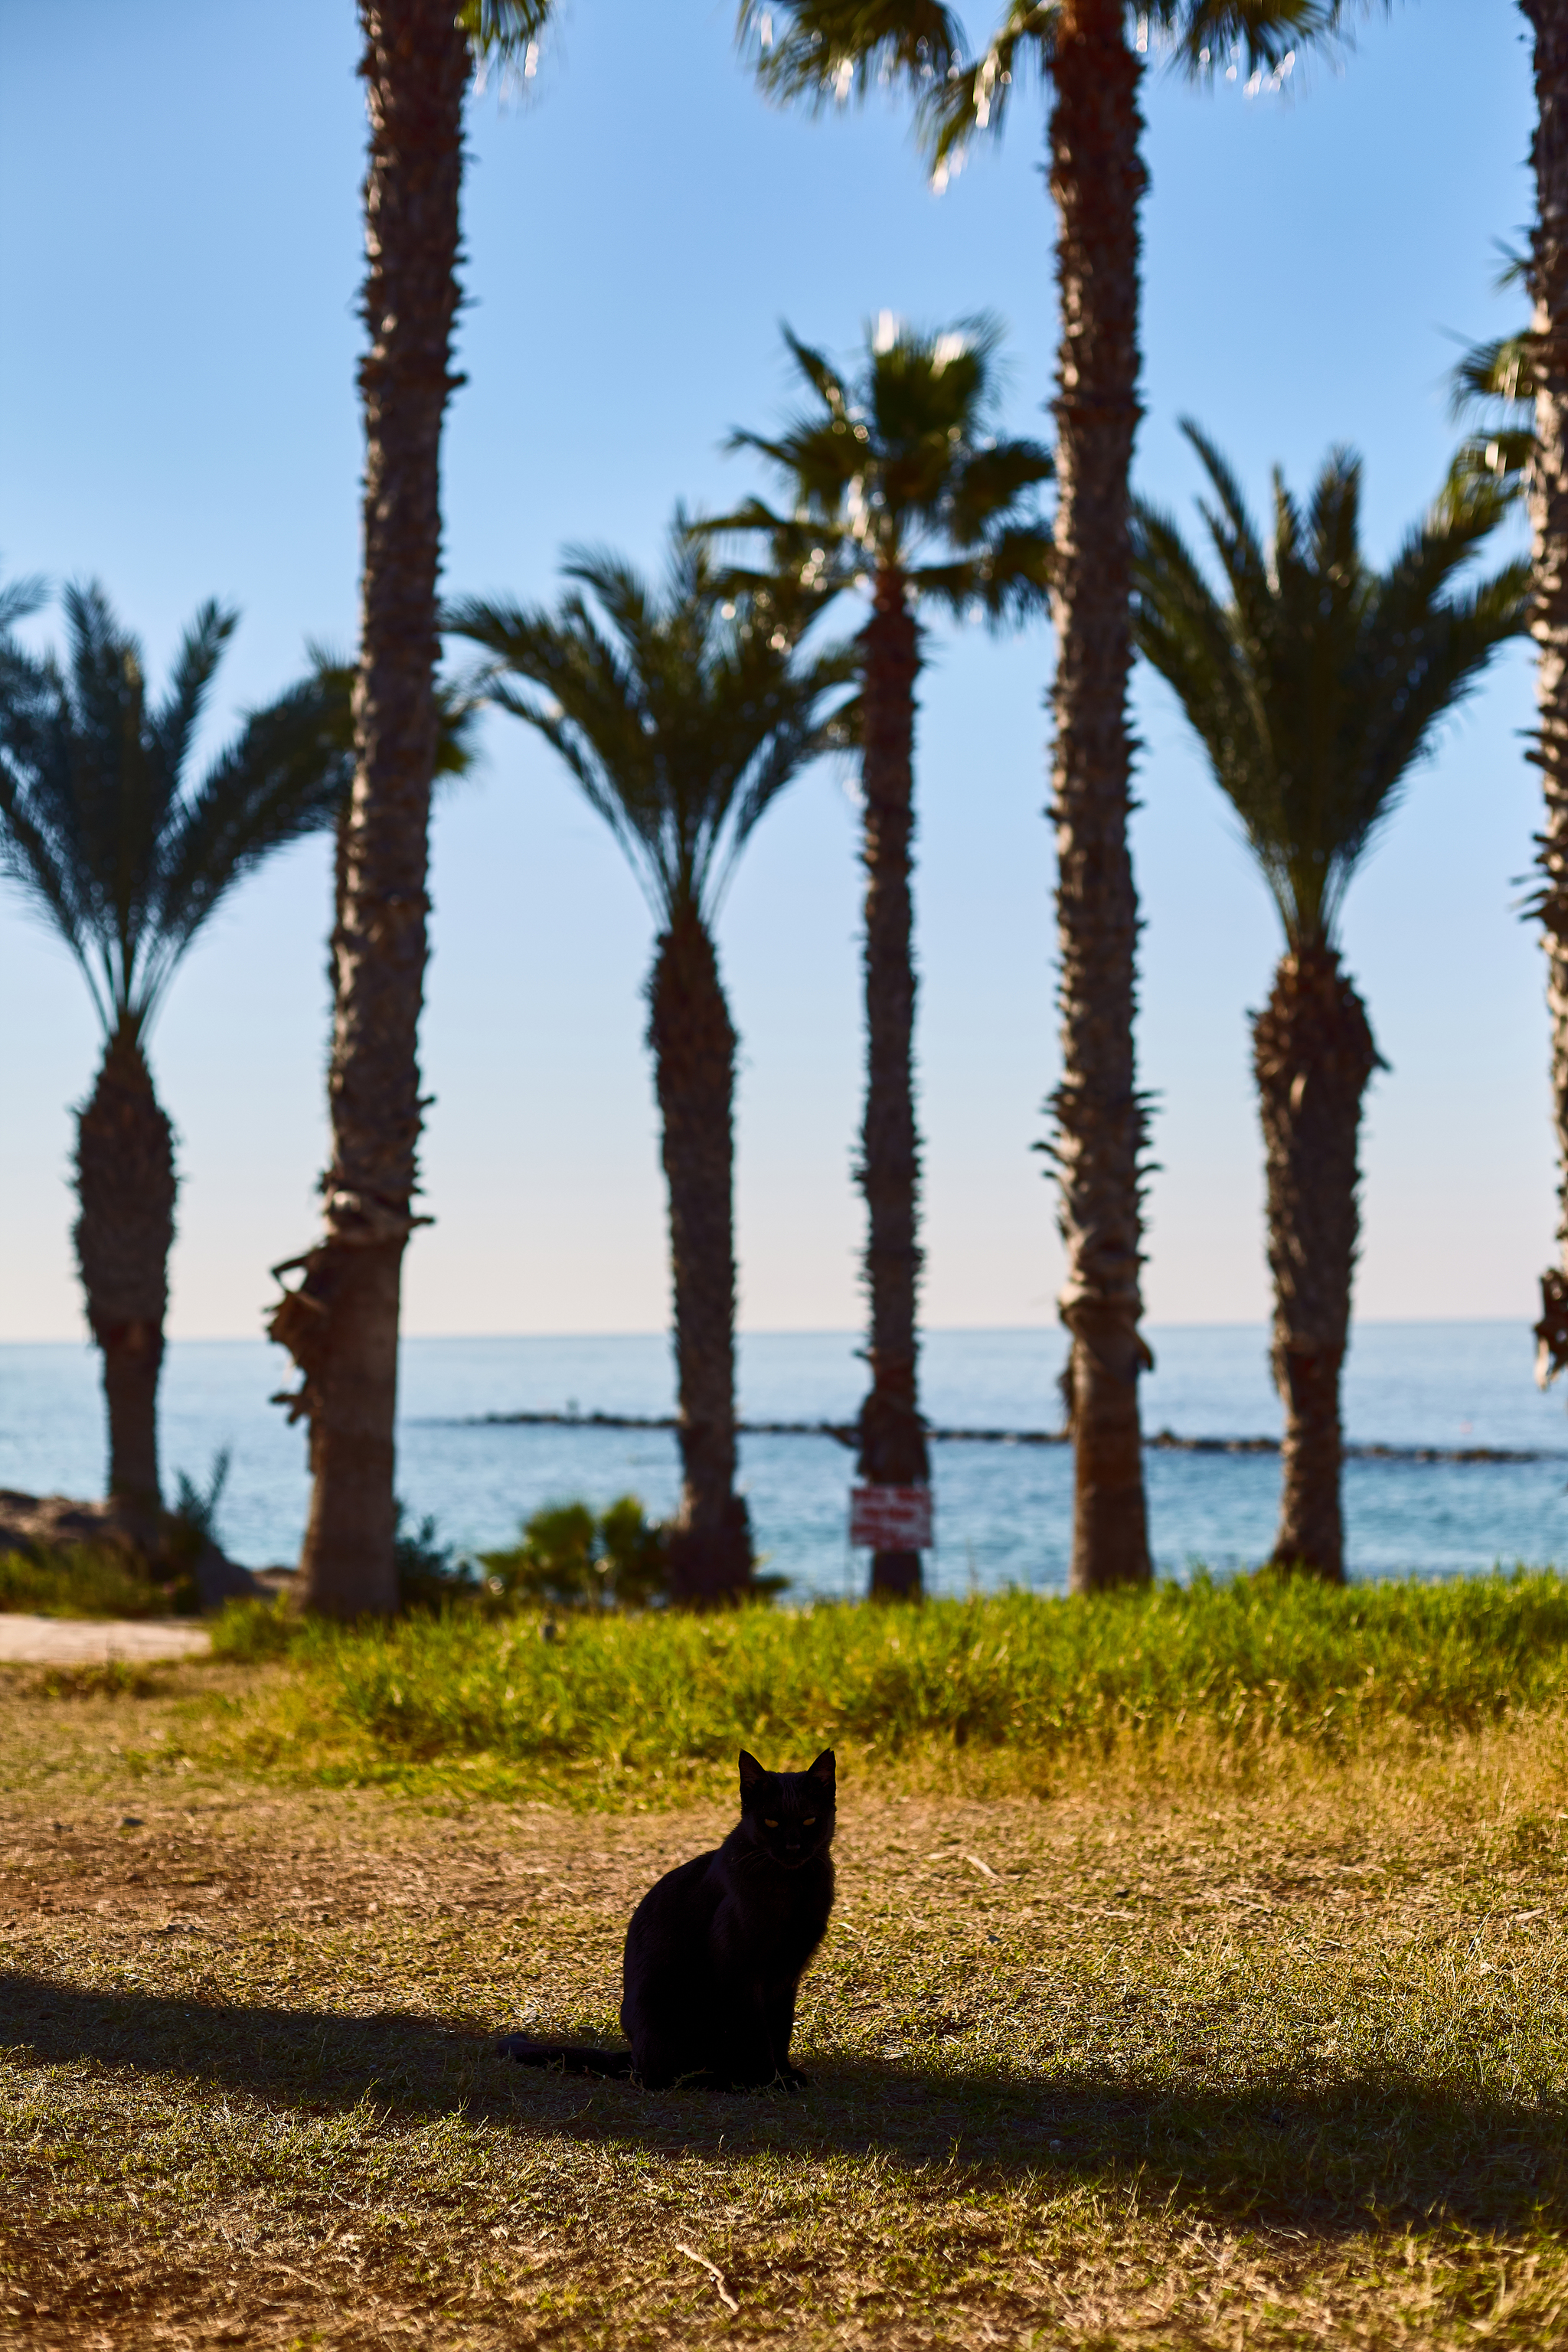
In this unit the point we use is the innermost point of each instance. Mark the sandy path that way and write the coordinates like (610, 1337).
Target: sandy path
(92, 1641)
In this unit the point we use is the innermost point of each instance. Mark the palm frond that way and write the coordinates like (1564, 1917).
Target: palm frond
(796, 536)
(1488, 465)
(1007, 584)
(897, 460)
(973, 98)
(992, 483)
(1501, 371)
(1201, 38)
(20, 597)
(922, 387)
(828, 51)
(96, 824)
(823, 456)
(503, 29)
(1209, 35)
(1015, 574)
(681, 710)
(1317, 683)
(286, 773)
(1334, 565)
(823, 378)
(173, 724)
(1232, 528)
(1492, 388)
(36, 839)
(805, 566)
(109, 794)
(957, 585)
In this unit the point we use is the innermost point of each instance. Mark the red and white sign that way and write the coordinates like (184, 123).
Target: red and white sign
(891, 1518)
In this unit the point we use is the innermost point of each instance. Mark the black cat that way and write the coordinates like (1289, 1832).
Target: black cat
(717, 1948)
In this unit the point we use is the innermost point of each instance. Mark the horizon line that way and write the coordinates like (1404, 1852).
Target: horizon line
(783, 1331)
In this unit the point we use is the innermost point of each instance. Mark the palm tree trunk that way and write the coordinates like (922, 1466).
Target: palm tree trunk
(125, 1182)
(1097, 181)
(340, 1323)
(694, 1062)
(1548, 625)
(892, 1434)
(1312, 1056)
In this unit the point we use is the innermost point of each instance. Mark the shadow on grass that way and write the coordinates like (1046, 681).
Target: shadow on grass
(1316, 2156)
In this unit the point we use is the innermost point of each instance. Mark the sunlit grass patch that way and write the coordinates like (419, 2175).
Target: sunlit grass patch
(593, 1703)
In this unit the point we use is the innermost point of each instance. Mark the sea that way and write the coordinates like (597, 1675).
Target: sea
(1003, 1509)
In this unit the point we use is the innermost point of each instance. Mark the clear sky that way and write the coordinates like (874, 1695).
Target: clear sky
(179, 257)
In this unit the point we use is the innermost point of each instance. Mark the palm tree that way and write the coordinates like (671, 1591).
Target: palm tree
(1520, 385)
(128, 861)
(1092, 52)
(1314, 687)
(1547, 384)
(899, 486)
(682, 721)
(340, 1321)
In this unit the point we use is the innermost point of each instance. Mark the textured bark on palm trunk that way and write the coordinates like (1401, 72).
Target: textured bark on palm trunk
(340, 1323)
(693, 1044)
(1097, 180)
(1312, 1056)
(1549, 625)
(892, 1433)
(125, 1182)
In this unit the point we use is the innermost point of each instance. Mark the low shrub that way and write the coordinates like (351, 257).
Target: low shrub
(431, 1575)
(86, 1580)
(251, 1632)
(570, 1558)
(190, 1530)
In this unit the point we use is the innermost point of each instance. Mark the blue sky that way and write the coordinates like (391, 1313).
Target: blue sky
(179, 257)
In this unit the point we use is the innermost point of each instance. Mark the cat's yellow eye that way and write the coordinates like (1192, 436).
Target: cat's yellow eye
(809, 1822)
(767, 1825)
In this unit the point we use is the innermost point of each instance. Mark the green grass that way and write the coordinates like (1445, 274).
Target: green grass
(82, 1580)
(593, 1705)
(1214, 1991)
(1169, 2055)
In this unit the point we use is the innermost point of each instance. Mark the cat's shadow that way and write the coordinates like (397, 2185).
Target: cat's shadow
(1307, 2154)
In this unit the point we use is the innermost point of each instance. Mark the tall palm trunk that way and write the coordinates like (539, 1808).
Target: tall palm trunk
(341, 1324)
(1312, 1056)
(1097, 180)
(694, 1062)
(892, 1434)
(125, 1182)
(1549, 625)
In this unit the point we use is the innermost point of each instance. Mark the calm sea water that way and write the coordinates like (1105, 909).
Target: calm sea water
(1003, 1512)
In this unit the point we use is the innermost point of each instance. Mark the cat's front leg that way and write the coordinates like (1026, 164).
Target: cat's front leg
(779, 2011)
(746, 2046)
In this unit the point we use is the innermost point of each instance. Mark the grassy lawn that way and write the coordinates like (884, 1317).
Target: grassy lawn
(1177, 1995)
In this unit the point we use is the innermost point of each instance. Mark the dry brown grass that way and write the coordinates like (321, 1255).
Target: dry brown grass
(1176, 2051)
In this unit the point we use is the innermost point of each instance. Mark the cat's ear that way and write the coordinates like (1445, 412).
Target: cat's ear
(750, 1773)
(824, 1768)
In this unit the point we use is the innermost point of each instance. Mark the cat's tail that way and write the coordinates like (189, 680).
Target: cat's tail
(572, 2057)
